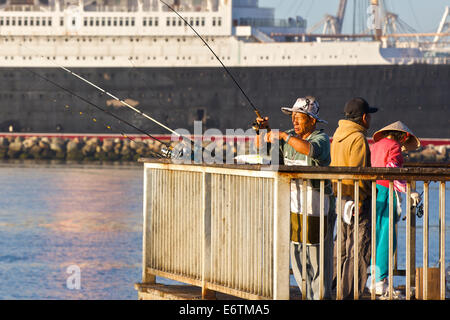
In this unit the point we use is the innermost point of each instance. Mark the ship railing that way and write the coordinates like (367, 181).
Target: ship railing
(226, 228)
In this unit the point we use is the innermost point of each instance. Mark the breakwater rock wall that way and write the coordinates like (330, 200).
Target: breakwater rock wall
(77, 149)
(122, 149)
(430, 153)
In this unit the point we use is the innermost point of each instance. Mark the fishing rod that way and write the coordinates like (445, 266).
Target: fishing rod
(256, 126)
(117, 99)
(105, 111)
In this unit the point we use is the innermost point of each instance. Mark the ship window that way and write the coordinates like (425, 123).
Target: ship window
(180, 22)
(7, 21)
(150, 21)
(214, 22)
(115, 22)
(127, 22)
(191, 21)
(1, 21)
(61, 22)
(50, 22)
(25, 22)
(132, 22)
(103, 22)
(203, 22)
(197, 22)
(174, 22)
(85, 20)
(109, 22)
(168, 22)
(43, 22)
(91, 22)
(144, 22)
(219, 22)
(156, 21)
(13, 22)
(121, 22)
(97, 22)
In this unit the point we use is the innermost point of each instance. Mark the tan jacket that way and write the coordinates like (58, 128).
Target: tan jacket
(349, 148)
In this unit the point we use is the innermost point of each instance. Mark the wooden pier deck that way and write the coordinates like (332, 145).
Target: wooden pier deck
(160, 291)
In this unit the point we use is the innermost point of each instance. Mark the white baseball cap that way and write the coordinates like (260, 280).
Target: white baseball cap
(307, 105)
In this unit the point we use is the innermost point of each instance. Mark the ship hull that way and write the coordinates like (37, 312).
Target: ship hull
(416, 94)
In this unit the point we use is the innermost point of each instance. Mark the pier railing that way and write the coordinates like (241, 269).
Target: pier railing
(226, 228)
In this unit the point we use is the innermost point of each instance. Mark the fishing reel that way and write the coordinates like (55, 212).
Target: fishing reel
(180, 151)
(260, 126)
(419, 210)
(166, 152)
(169, 152)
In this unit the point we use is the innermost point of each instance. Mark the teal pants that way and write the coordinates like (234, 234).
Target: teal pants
(382, 232)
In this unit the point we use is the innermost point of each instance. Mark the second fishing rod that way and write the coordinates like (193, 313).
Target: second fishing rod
(168, 152)
(257, 125)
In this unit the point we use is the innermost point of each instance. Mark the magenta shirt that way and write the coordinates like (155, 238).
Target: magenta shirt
(387, 153)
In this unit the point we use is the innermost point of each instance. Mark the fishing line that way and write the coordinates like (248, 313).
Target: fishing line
(97, 107)
(110, 95)
(215, 55)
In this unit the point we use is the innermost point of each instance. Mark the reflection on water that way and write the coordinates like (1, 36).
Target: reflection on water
(55, 216)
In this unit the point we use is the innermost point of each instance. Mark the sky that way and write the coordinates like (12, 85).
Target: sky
(422, 15)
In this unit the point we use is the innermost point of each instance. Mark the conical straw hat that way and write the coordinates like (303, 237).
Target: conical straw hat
(413, 142)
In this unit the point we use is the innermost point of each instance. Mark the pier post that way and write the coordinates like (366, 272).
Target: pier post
(281, 238)
(206, 239)
(146, 277)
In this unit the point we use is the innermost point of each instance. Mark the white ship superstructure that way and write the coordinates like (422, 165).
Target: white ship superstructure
(147, 33)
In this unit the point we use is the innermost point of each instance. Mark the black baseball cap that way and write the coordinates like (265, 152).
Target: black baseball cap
(356, 107)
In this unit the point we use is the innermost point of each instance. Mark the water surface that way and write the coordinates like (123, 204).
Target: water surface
(56, 216)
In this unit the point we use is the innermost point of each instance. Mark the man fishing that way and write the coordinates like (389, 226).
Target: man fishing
(305, 145)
